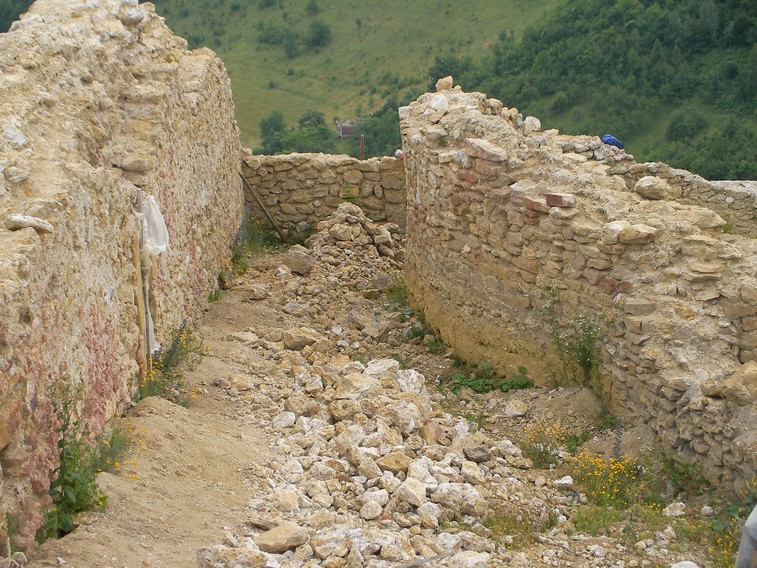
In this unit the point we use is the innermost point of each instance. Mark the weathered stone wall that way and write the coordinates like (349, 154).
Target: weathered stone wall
(301, 189)
(499, 212)
(96, 100)
(735, 201)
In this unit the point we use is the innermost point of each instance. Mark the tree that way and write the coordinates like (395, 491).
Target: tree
(271, 130)
(319, 34)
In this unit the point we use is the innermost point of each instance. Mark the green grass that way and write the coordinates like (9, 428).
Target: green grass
(387, 54)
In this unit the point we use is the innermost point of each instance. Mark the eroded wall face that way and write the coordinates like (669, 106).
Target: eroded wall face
(501, 215)
(302, 189)
(98, 99)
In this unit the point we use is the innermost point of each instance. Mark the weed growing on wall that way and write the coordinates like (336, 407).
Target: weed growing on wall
(162, 377)
(251, 239)
(575, 338)
(74, 487)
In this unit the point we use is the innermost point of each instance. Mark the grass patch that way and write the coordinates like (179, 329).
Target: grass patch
(516, 528)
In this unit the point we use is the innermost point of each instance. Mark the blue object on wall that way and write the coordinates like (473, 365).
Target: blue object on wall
(612, 141)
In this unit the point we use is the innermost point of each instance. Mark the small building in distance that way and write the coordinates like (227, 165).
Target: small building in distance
(346, 128)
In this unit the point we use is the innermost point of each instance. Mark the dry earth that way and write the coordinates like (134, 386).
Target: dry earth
(204, 475)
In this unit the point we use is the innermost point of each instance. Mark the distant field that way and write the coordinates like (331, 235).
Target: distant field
(378, 49)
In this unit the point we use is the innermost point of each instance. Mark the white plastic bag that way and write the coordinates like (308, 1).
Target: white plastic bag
(154, 232)
(154, 242)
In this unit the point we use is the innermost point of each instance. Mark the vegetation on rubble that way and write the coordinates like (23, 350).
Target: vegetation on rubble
(543, 443)
(74, 487)
(483, 379)
(515, 527)
(162, 378)
(627, 497)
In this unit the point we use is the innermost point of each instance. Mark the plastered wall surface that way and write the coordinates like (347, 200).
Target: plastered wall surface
(500, 213)
(97, 100)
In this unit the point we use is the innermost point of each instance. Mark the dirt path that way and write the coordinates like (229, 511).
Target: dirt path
(187, 477)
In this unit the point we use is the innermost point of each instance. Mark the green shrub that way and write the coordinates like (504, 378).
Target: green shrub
(74, 486)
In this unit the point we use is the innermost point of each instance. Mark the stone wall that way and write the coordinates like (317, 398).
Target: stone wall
(301, 189)
(735, 201)
(501, 215)
(98, 99)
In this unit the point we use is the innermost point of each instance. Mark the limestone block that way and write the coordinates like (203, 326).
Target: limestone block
(741, 387)
(480, 148)
(286, 536)
(652, 187)
(445, 83)
(637, 234)
(15, 222)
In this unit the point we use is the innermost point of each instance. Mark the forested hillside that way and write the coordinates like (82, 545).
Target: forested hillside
(675, 80)
(9, 11)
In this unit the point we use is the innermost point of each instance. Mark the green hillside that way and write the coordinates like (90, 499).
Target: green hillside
(377, 50)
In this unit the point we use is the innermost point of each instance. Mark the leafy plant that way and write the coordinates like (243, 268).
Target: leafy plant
(483, 379)
(74, 486)
(575, 339)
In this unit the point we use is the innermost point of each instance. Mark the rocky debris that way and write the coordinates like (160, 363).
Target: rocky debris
(372, 471)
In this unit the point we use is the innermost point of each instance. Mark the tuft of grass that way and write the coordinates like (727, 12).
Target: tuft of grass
(543, 443)
(397, 294)
(595, 520)
(162, 377)
(515, 528)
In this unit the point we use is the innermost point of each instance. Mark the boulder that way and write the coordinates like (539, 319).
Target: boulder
(286, 536)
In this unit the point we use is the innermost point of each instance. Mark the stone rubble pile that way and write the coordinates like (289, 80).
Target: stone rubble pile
(372, 471)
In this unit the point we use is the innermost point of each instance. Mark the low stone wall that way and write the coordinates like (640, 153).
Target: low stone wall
(735, 201)
(504, 219)
(301, 189)
(98, 99)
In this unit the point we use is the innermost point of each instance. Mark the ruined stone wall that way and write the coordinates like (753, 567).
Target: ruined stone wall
(302, 189)
(735, 201)
(96, 100)
(501, 215)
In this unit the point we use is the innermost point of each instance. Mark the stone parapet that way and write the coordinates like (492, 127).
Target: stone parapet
(298, 190)
(502, 217)
(99, 99)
